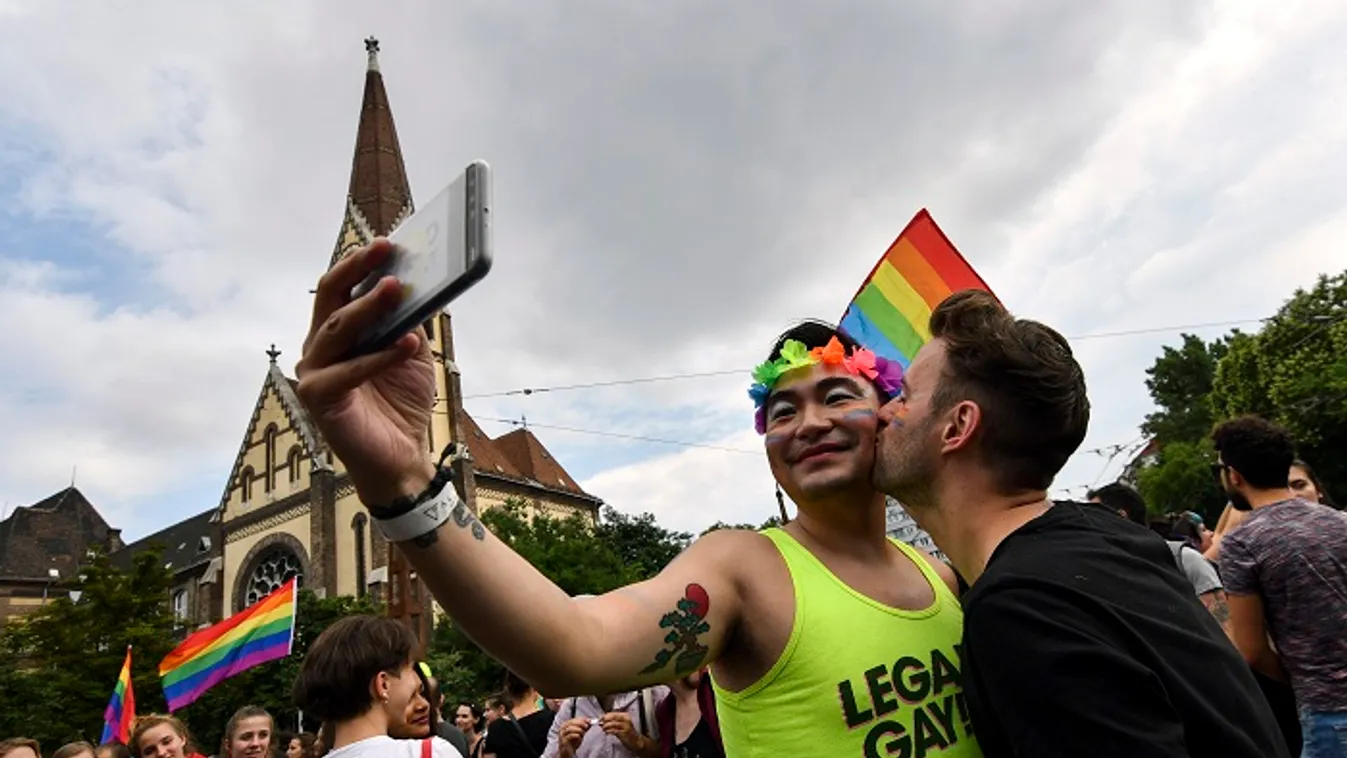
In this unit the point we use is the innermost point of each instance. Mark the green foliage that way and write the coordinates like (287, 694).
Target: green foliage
(581, 558)
(768, 524)
(59, 664)
(269, 685)
(1180, 382)
(1294, 371)
(1181, 480)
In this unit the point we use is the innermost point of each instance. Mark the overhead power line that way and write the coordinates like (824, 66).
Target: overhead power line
(526, 391)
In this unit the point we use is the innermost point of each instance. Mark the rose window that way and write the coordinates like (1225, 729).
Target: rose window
(276, 567)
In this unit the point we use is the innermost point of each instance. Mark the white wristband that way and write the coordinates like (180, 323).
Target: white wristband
(421, 520)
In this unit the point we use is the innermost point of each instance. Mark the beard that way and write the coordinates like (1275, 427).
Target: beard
(904, 469)
(1238, 501)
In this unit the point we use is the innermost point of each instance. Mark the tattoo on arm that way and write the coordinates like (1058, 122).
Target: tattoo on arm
(463, 518)
(1219, 607)
(685, 624)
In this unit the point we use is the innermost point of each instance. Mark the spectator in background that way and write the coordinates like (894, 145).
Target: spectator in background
(1286, 570)
(469, 720)
(496, 706)
(522, 731)
(608, 726)
(1306, 485)
(20, 747)
(359, 678)
(433, 701)
(248, 734)
(688, 727)
(1190, 529)
(74, 750)
(112, 750)
(301, 746)
(159, 736)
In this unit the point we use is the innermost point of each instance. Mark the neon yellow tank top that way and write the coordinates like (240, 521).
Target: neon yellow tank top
(857, 678)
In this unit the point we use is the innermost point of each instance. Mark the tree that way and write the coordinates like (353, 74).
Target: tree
(1181, 480)
(1180, 383)
(774, 521)
(59, 664)
(1294, 371)
(643, 545)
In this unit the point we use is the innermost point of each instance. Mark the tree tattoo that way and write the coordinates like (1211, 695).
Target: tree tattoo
(684, 624)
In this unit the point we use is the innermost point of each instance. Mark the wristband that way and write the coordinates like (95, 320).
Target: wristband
(423, 518)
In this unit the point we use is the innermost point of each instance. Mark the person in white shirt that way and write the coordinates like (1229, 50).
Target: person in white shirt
(359, 677)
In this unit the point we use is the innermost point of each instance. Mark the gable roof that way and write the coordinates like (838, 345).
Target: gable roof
(310, 440)
(534, 461)
(55, 532)
(186, 544)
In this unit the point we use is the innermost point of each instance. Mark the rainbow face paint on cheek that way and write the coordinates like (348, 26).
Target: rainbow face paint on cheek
(775, 439)
(858, 415)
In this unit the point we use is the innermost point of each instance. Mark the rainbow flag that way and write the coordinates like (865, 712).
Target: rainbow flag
(262, 632)
(121, 709)
(891, 313)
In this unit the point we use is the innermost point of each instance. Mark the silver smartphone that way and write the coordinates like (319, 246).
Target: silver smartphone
(439, 252)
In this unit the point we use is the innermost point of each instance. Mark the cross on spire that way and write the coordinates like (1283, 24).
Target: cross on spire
(273, 353)
(372, 49)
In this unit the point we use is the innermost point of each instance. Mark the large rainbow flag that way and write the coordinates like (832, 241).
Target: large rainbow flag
(121, 709)
(263, 632)
(891, 313)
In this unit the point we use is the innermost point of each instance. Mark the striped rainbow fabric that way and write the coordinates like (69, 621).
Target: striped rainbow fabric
(264, 631)
(121, 710)
(891, 312)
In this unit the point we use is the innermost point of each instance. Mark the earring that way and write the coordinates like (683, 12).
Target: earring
(384, 697)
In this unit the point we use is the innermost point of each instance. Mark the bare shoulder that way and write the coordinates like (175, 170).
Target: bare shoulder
(738, 552)
(942, 570)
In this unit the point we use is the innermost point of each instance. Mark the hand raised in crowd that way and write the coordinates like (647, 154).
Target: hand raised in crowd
(570, 736)
(373, 410)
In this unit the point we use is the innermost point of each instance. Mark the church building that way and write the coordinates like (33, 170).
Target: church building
(288, 509)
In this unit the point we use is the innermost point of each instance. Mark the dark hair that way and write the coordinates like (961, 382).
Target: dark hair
(1258, 449)
(1324, 497)
(1025, 380)
(306, 741)
(15, 743)
(497, 700)
(516, 688)
(813, 333)
(115, 748)
(474, 710)
(1120, 497)
(71, 749)
(1187, 530)
(334, 680)
(232, 727)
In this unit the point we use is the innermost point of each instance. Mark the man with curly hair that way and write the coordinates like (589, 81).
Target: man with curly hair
(1285, 571)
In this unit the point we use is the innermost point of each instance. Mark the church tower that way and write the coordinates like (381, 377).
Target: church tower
(379, 198)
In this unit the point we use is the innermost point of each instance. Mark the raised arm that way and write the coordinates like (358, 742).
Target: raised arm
(374, 412)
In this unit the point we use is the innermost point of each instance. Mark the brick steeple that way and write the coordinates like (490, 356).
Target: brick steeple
(379, 196)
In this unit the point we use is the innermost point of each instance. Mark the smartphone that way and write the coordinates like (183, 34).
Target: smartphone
(439, 252)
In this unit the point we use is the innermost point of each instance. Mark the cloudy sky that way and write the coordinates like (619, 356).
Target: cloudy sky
(676, 182)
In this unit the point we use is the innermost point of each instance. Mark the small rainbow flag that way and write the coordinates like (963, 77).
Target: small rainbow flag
(891, 312)
(262, 632)
(121, 709)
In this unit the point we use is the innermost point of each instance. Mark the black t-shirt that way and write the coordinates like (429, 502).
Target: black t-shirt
(701, 743)
(1082, 638)
(502, 739)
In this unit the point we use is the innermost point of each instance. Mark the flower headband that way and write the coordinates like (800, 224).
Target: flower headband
(883, 372)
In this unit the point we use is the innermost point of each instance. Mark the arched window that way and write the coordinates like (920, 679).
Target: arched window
(246, 483)
(274, 568)
(358, 529)
(269, 438)
(292, 463)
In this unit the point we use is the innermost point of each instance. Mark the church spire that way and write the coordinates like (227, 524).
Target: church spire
(379, 196)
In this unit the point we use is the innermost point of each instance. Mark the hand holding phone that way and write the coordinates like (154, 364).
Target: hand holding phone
(440, 252)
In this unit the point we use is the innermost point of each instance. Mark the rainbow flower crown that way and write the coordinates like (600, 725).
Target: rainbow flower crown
(886, 374)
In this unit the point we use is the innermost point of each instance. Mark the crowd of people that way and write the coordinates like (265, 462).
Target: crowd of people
(1044, 629)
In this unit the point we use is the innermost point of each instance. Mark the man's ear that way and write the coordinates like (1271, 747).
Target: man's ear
(962, 423)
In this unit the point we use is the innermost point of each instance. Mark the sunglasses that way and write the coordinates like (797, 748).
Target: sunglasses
(1217, 469)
